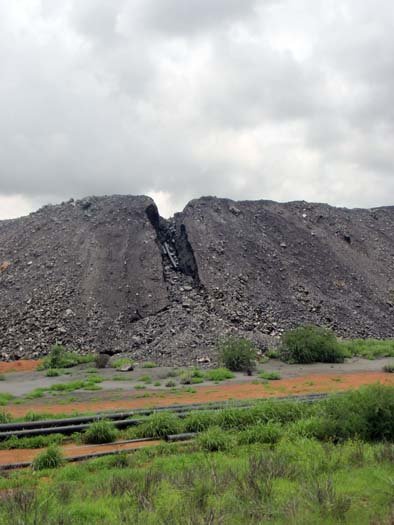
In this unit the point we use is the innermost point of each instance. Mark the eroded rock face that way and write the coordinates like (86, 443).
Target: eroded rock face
(108, 274)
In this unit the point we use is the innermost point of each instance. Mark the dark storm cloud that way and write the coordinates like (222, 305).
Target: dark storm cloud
(283, 99)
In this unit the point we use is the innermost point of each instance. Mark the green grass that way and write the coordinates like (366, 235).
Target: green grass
(276, 462)
(191, 377)
(100, 432)
(49, 459)
(218, 374)
(121, 362)
(79, 384)
(145, 379)
(5, 398)
(149, 364)
(298, 482)
(368, 348)
(52, 372)
(269, 376)
(31, 442)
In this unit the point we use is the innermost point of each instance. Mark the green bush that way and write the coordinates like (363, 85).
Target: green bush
(50, 458)
(101, 431)
(214, 439)
(238, 355)
(367, 413)
(59, 357)
(311, 344)
(389, 368)
(159, 425)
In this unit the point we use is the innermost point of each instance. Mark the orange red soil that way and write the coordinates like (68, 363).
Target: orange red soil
(70, 451)
(23, 365)
(307, 384)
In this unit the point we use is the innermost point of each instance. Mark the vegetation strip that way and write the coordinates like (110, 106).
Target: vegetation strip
(47, 427)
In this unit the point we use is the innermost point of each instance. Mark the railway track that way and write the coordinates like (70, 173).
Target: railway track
(68, 426)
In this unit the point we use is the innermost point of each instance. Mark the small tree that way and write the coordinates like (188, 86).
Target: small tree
(311, 344)
(238, 355)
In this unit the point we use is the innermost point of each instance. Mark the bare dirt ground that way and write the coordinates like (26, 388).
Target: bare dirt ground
(8, 457)
(253, 389)
(23, 365)
(21, 377)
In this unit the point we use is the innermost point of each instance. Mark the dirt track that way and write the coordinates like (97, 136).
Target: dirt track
(70, 451)
(306, 384)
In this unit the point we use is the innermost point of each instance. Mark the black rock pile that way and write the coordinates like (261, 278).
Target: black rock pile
(109, 275)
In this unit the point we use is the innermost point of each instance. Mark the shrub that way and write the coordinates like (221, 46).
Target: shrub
(101, 431)
(59, 357)
(237, 355)
(218, 374)
(214, 439)
(367, 413)
(311, 344)
(52, 457)
(159, 425)
(170, 384)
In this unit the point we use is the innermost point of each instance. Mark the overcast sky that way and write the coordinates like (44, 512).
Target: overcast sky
(248, 99)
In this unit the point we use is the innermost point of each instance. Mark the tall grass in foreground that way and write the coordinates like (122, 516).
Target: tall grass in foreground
(326, 463)
(295, 481)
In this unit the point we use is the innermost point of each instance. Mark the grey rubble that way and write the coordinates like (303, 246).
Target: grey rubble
(109, 274)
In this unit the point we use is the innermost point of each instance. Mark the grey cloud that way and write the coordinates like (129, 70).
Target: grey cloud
(185, 18)
(282, 100)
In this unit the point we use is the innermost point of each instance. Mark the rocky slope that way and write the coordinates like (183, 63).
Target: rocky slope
(108, 274)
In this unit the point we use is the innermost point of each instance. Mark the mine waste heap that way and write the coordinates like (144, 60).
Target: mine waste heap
(108, 274)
